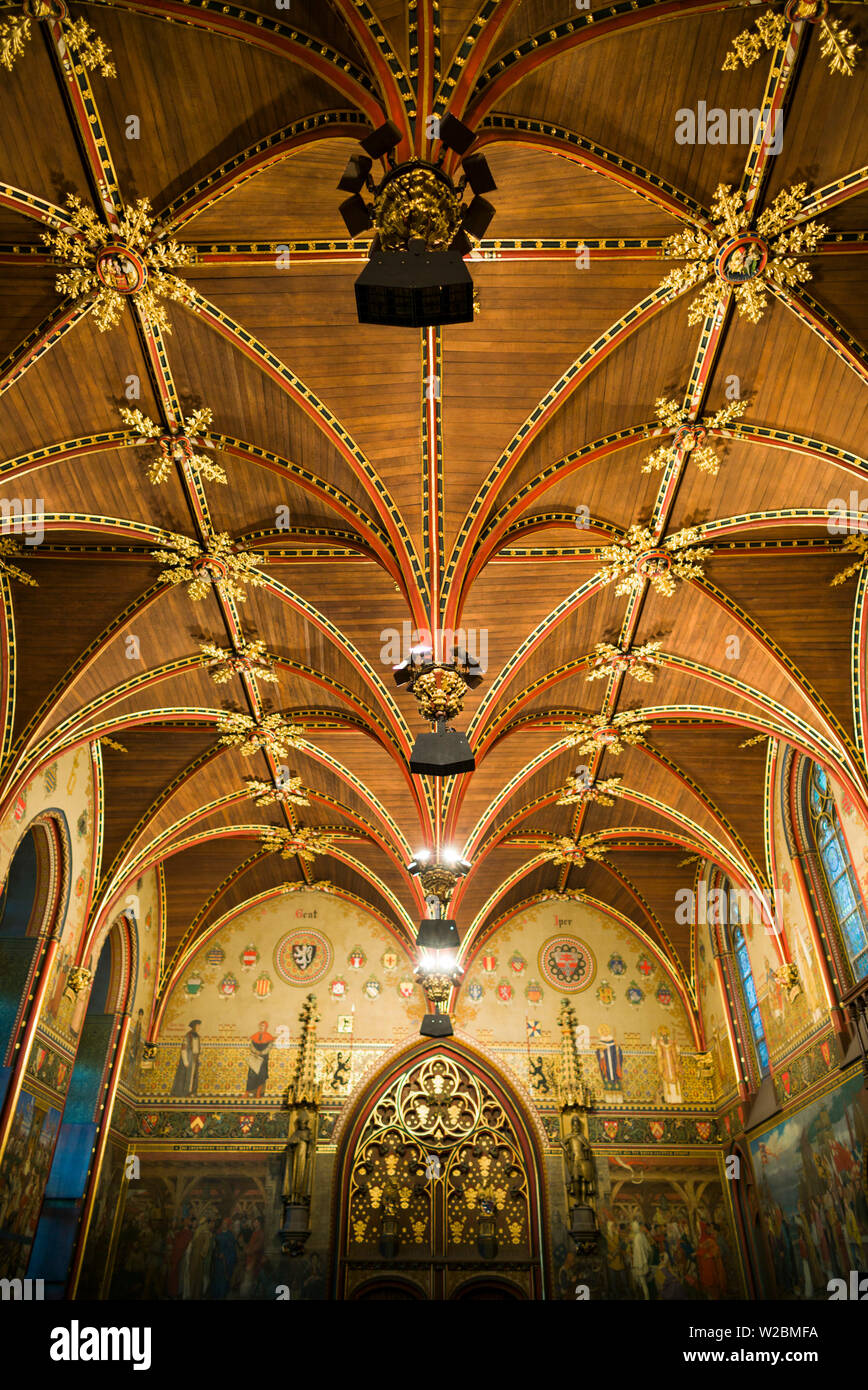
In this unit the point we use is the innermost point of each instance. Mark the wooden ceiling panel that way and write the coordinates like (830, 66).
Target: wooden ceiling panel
(166, 630)
(288, 634)
(295, 200)
(535, 321)
(506, 760)
(20, 229)
(48, 166)
(77, 388)
(755, 478)
(47, 643)
(732, 775)
(574, 91)
(546, 195)
(851, 216)
(246, 403)
(825, 129)
(375, 769)
(191, 876)
(134, 779)
(613, 488)
(28, 299)
(631, 815)
(834, 410)
(815, 634)
(689, 626)
(357, 887)
(364, 605)
(220, 774)
(260, 876)
(658, 876)
(307, 318)
(264, 499)
(182, 140)
(619, 393)
(840, 284)
(114, 479)
(572, 637)
(487, 880)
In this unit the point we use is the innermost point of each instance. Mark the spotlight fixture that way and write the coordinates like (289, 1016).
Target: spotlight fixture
(438, 941)
(455, 135)
(355, 175)
(478, 174)
(439, 876)
(416, 276)
(438, 688)
(356, 215)
(436, 1025)
(382, 141)
(476, 217)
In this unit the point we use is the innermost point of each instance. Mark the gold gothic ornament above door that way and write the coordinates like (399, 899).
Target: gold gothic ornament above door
(440, 1196)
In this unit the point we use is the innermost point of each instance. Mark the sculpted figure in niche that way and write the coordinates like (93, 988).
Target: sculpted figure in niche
(298, 1156)
(580, 1164)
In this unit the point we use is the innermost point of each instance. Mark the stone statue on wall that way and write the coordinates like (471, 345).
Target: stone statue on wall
(579, 1163)
(296, 1184)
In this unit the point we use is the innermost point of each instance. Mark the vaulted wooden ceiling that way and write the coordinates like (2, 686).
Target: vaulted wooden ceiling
(375, 502)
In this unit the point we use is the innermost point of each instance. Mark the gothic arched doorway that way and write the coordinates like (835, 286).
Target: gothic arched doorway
(439, 1183)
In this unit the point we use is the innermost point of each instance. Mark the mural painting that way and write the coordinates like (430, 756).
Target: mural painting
(668, 1234)
(713, 1015)
(190, 1234)
(230, 1024)
(25, 1170)
(633, 1035)
(809, 1172)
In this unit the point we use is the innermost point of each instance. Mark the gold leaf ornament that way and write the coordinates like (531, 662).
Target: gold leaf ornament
(110, 266)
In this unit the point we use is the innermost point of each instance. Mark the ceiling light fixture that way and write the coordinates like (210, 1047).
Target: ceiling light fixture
(438, 942)
(438, 688)
(423, 228)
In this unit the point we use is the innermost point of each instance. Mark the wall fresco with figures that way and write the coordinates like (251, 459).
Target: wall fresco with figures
(143, 903)
(196, 1227)
(667, 1228)
(712, 1012)
(811, 1193)
(564, 948)
(65, 786)
(26, 1163)
(856, 830)
(633, 1037)
(793, 1014)
(231, 1023)
(235, 1000)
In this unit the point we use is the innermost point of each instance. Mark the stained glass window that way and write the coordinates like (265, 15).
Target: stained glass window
(844, 895)
(745, 971)
(750, 999)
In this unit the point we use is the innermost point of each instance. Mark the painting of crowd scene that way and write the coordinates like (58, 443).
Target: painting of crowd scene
(812, 1217)
(185, 1237)
(26, 1164)
(666, 1234)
